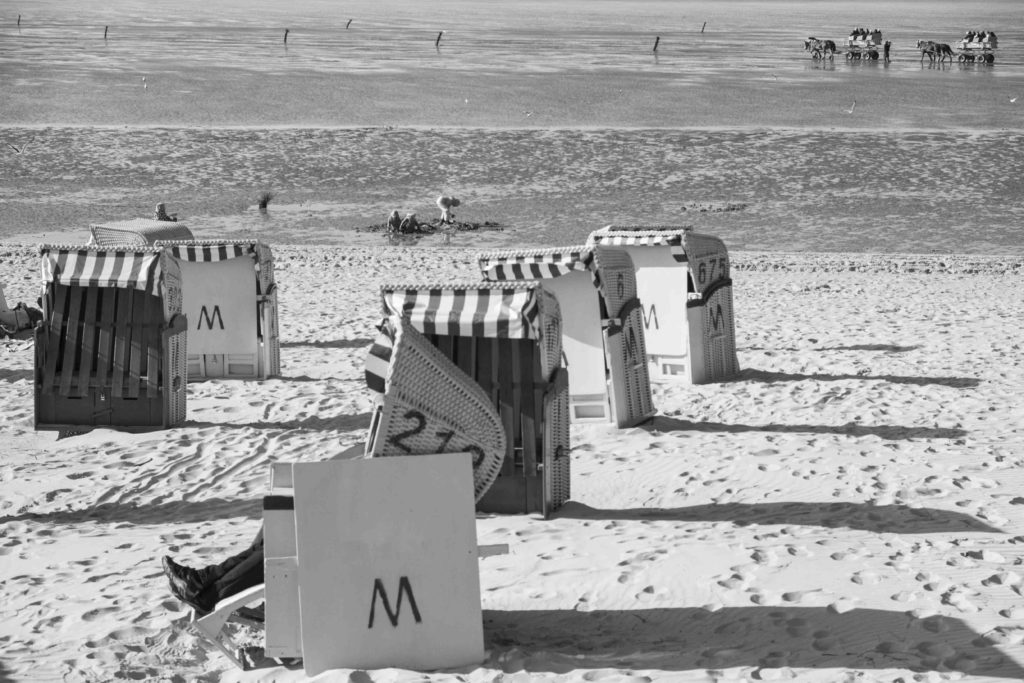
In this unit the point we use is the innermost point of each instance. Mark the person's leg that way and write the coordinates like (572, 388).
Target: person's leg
(214, 572)
(235, 573)
(245, 573)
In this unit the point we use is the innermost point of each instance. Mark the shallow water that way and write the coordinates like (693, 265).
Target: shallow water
(549, 118)
(760, 190)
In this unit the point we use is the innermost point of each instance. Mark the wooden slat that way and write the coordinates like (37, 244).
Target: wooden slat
(465, 354)
(122, 332)
(55, 337)
(87, 360)
(528, 429)
(444, 343)
(140, 313)
(154, 344)
(108, 300)
(506, 402)
(484, 372)
(67, 368)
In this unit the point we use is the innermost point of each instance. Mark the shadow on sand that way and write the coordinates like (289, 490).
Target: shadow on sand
(682, 639)
(878, 518)
(342, 423)
(755, 375)
(888, 432)
(330, 344)
(150, 513)
(887, 348)
(14, 376)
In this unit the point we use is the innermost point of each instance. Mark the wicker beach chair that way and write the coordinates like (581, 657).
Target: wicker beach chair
(602, 332)
(110, 350)
(230, 296)
(507, 338)
(695, 341)
(137, 232)
(428, 405)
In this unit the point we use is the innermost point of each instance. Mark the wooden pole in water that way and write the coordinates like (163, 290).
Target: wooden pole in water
(657, 40)
(702, 27)
(437, 42)
(286, 36)
(105, 32)
(348, 24)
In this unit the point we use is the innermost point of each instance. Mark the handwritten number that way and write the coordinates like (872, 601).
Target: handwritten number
(445, 438)
(478, 455)
(421, 423)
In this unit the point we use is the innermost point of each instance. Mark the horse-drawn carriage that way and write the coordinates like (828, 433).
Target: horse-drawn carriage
(977, 46)
(863, 44)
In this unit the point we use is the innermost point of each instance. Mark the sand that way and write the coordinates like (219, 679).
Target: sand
(849, 508)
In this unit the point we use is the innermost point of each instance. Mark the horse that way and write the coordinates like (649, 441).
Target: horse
(820, 48)
(942, 50)
(928, 47)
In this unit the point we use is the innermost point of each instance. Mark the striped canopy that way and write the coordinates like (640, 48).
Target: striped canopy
(91, 267)
(504, 311)
(500, 266)
(378, 358)
(209, 251)
(642, 236)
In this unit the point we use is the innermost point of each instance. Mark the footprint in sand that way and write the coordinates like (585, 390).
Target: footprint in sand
(766, 558)
(93, 614)
(823, 641)
(865, 578)
(904, 596)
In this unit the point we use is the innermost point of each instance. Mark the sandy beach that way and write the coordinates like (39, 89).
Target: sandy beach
(848, 508)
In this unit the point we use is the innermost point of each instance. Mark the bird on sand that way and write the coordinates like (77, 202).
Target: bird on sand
(1013, 99)
(854, 106)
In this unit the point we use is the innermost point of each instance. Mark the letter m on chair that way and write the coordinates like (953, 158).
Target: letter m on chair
(403, 589)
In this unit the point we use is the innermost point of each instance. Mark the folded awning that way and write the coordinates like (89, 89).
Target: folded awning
(643, 236)
(502, 266)
(84, 267)
(503, 311)
(209, 251)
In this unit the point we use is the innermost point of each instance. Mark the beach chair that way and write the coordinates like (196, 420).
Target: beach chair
(368, 506)
(230, 298)
(506, 337)
(684, 285)
(110, 350)
(428, 405)
(137, 232)
(602, 330)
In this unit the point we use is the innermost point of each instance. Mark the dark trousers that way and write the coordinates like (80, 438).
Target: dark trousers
(233, 575)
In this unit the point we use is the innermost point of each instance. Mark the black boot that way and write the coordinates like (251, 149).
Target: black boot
(186, 586)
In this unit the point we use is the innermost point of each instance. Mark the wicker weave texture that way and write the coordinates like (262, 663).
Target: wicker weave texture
(551, 331)
(430, 406)
(270, 355)
(618, 278)
(140, 232)
(719, 335)
(557, 462)
(626, 346)
(176, 377)
(708, 260)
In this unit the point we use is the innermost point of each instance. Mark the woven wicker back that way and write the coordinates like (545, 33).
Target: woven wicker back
(139, 232)
(430, 406)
